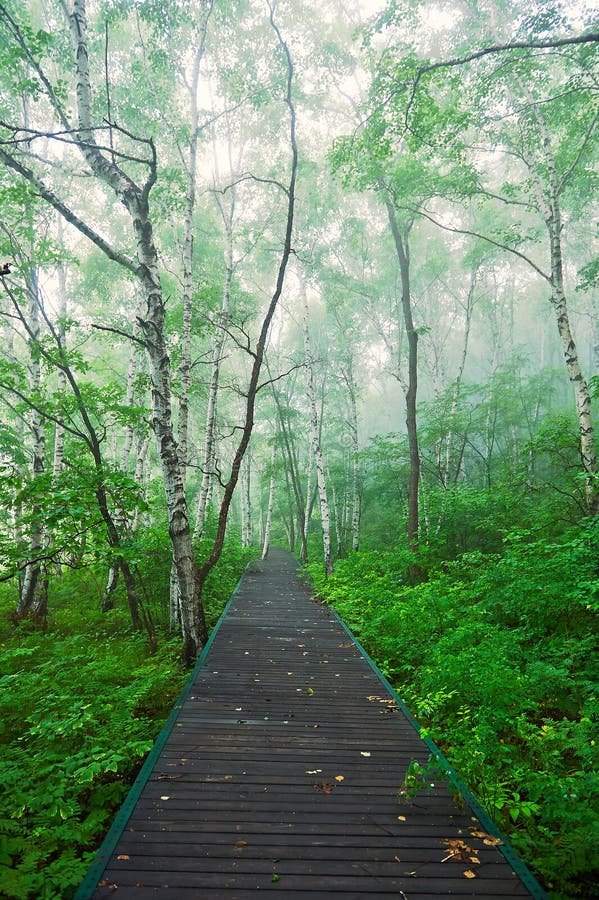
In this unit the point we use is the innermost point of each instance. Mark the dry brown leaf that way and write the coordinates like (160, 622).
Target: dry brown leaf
(469, 874)
(490, 841)
(401, 819)
(339, 777)
(239, 844)
(397, 859)
(458, 850)
(123, 856)
(475, 860)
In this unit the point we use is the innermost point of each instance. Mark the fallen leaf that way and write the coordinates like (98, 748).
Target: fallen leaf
(397, 859)
(123, 856)
(488, 839)
(364, 753)
(276, 877)
(313, 771)
(459, 850)
(240, 844)
(401, 819)
(309, 692)
(475, 860)
(339, 777)
(469, 874)
(325, 786)
(165, 797)
(492, 841)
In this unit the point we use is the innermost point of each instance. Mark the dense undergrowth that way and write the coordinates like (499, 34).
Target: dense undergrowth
(80, 706)
(496, 656)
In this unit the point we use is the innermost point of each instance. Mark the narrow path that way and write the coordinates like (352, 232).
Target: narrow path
(281, 772)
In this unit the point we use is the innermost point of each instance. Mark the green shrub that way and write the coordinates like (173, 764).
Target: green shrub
(80, 707)
(496, 655)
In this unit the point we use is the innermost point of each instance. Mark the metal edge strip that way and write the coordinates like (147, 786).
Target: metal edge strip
(112, 837)
(518, 866)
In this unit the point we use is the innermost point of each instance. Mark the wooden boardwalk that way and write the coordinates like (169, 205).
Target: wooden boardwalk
(279, 771)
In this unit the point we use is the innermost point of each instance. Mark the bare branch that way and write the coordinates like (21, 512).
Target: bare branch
(581, 149)
(483, 237)
(276, 378)
(124, 334)
(250, 177)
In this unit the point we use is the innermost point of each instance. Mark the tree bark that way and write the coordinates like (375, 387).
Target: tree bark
(152, 325)
(33, 597)
(403, 256)
(325, 515)
(271, 500)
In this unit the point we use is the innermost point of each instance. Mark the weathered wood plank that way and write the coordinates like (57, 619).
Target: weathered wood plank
(282, 770)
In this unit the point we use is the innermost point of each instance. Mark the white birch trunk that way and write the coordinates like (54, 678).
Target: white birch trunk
(308, 508)
(209, 463)
(34, 586)
(59, 433)
(271, 501)
(336, 517)
(548, 199)
(316, 448)
(129, 400)
(348, 376)
(136, 201)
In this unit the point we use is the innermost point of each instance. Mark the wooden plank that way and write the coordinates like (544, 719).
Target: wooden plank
(285, 759)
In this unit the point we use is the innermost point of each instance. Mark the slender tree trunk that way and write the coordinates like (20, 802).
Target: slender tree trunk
(308, 507)
(292, 475)
(33, 599)
(187, 250)
(132, 372)
(247, 491)
(455, 395)
(59, 433)
(325, 514)
(209, 463)
(271, 500)
(356, 502)
(403, 256)
(337, 519)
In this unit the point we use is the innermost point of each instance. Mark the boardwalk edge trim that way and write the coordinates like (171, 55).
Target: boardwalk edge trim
(518, 866)
(112, 837)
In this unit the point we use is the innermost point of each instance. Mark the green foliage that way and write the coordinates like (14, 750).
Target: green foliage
(495, 654)
(80, 706)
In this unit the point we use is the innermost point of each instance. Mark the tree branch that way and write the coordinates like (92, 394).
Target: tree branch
(124, 334)
(73, 219)
(484, 237)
